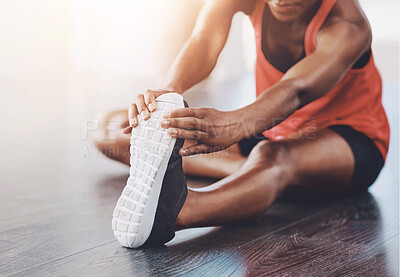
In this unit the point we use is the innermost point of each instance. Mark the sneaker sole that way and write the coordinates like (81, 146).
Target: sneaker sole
(151, 148)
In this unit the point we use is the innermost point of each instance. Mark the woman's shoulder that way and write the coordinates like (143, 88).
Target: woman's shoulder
(349, 11)
(347, 16)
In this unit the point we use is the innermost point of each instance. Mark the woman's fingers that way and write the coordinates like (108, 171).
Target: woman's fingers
(187, 134)
(150, 100)
(186, 112)
(195, 149)
(127, 130)
(144, 104)
(184, 123)
(141, 107)
(132, 115)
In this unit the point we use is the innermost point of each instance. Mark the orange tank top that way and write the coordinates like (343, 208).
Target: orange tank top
(354, 101)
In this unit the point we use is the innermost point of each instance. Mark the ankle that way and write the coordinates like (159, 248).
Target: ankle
(185, 216)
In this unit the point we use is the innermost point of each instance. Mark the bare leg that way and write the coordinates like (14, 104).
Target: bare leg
(216, 165)
(109, 137)
(323, 163)
(114, 144)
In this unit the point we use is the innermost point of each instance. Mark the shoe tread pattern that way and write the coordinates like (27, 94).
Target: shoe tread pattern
(149, 146)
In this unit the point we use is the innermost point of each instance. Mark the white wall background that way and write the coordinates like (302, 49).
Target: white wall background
(94, 55)
(121, 48)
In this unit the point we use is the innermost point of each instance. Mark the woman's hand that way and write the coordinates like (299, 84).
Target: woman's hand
(145, 104)
(213, 130)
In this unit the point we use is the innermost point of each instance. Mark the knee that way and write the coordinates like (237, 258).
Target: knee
(101, 133)
(112, 122)
(269, 154)
(109, 126)
(109, 139)
(271, 161)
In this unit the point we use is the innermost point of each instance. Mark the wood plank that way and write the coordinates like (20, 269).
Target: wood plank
(376, 262)
(182, 254)
(26, 209)
(29, 199)
(91, 229)
(313, 247)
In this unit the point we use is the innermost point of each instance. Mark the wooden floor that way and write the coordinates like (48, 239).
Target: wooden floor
(57, 195)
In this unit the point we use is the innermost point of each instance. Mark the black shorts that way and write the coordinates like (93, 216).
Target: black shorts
(367, 157)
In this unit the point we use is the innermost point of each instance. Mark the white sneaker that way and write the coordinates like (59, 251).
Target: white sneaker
(151, 149)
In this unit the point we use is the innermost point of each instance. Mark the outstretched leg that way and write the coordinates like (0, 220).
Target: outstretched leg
(114, 144)
(323, 163)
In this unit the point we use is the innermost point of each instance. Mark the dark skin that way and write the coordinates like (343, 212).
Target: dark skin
(324, 163)
(340, 43)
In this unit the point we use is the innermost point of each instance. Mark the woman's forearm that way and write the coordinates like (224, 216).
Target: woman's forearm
(191, 66)
(272, 107)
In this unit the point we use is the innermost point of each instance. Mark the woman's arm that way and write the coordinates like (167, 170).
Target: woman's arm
(200, 54)
(343, 39)
(197, 58)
